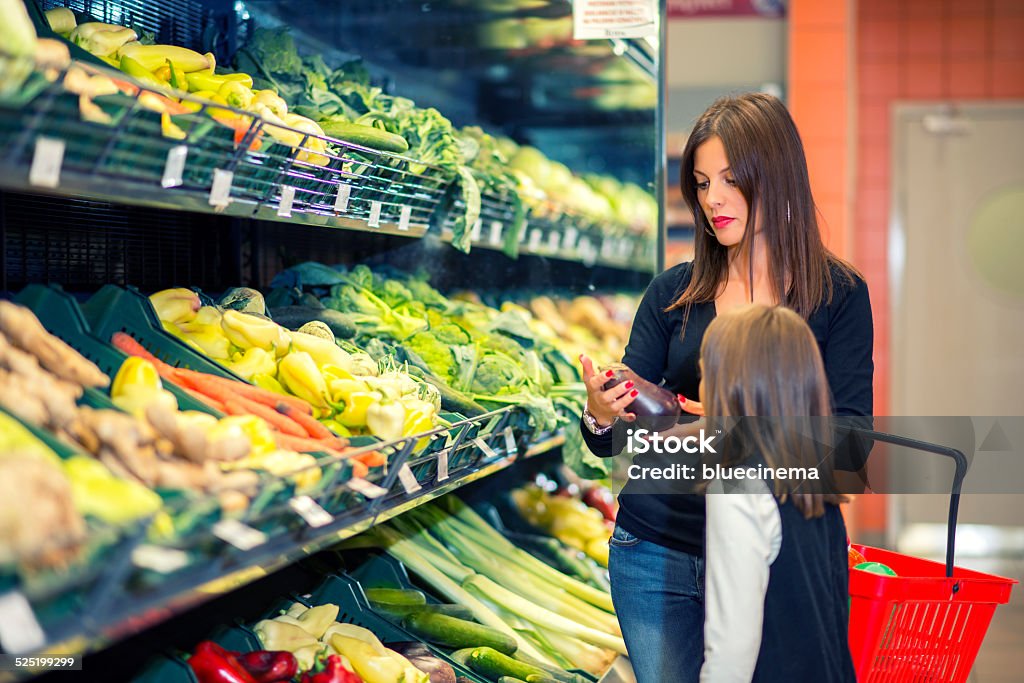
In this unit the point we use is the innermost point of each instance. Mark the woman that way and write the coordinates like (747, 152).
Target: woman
(744, 176)
(777, 578)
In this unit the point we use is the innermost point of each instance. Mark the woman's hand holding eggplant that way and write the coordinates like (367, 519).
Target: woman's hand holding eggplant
(606, 405)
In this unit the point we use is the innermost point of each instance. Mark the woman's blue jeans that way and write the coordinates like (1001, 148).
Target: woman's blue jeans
(658, 595)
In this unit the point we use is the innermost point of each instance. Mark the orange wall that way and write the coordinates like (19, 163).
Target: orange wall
(861, 56)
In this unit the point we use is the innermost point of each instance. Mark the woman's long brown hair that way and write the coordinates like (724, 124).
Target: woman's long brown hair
(763, 362)
(766, 157)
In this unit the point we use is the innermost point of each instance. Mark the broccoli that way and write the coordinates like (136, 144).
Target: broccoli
(497, 374)
(436, 354)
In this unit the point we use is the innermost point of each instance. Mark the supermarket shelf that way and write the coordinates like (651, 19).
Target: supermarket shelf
(545, 445)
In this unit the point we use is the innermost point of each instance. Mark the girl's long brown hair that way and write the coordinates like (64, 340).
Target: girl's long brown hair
(763, 362)
(766, 157)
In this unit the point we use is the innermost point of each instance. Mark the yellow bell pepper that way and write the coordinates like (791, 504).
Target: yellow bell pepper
(333, 372)
(254, 361)
(341, 388)
(419, 418)
(135, 374)
(246, 331)
(98, 493)
(353, 409)
(300, 375)
(178, 305)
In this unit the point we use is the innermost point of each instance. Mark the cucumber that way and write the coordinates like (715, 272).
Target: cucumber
(492, 664)
(365, 136)
(462, 656)
(550, 670)
(457, 611)
(396, 596)
(444, 630)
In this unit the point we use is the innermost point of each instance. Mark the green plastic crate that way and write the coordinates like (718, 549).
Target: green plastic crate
(60, 315)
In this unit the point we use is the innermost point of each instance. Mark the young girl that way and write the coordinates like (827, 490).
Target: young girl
(775, 548)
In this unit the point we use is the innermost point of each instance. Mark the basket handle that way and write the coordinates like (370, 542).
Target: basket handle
(958, 479)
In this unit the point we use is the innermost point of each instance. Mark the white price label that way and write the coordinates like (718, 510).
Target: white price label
(554, 239)
(220, 191)
(174, 168)
(408, 479)
(157, 559)
(284, 208)
(478, 229)
(510, 442)
(367, 488)
(496, 228)
(535, 237)
(405, 217)
(374, 220)
(485, 447)
(341, 201)
(442, 465)
(571, 235)
(523, 231)
(310, 511)
(240, 535)
(19, 628)
(46, 162)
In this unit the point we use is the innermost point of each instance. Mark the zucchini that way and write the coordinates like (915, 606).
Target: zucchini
(364, 136)
(396, 596)
(451, 632)
(492, 664)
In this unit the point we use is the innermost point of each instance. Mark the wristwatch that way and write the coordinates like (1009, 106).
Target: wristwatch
(591, 423)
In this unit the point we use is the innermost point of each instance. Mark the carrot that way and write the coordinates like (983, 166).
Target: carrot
(359, 469)
(127, 343)
(239, 405)
(371, 459)
(200, 380)
(306, 445)
(313, 428)
(203, 398)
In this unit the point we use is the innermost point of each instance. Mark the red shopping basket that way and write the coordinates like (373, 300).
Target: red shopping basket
(926, 623)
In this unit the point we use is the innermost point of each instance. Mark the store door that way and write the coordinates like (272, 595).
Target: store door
(957, 292)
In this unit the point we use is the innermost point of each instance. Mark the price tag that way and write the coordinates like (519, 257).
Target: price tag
(522, 233)
(284, 208)
(535, 237)
(19, 628)
(571, 235)
(367, 488)
(174, 168)
(220, 191)
(374, 220)
(495, 238)
(405, 217)
(157, 559)
(240, 535)
(483, 445)
(442, 465)
(510, 442)
(554, 239)
(478, 229)
(46, 162)
(408, 479)
(341, 201)
(310, 511)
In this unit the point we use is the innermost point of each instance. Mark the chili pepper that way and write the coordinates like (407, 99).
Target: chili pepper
(254, 361)
(353, 408)
(246, 331)
(334, 672)
(300, 375)
(135, 375)
(270, 666)
(322, 351)
(213, 664)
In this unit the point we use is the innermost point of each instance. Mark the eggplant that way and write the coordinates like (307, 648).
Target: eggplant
(420, 656)
(655, 407)
(294, 317)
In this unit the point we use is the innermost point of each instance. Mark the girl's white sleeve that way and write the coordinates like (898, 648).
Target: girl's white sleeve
(744, 535)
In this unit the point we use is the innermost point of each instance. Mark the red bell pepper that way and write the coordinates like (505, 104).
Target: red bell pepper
(213, 664)
(601, 499)
(334, 672)
(269, 666)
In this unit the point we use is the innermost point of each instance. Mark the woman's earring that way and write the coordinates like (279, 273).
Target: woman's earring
(788, 219)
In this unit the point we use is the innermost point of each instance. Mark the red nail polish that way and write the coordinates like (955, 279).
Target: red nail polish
(682, 399)
(629, 385)
(610, 374)
(634, 393)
